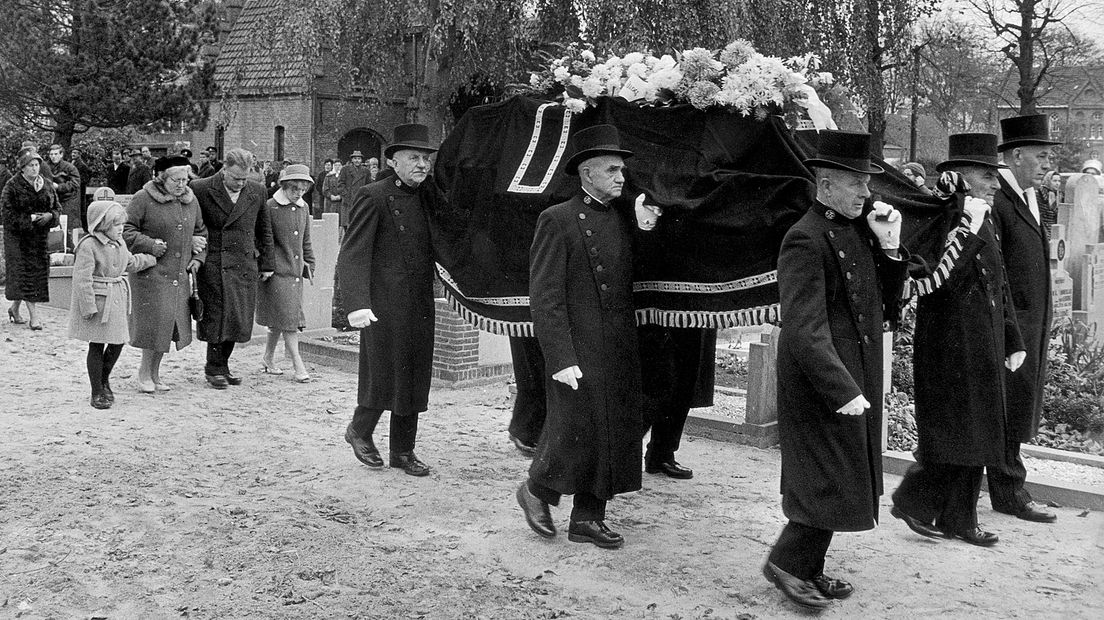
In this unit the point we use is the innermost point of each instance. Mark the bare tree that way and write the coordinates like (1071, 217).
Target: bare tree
(1036, 37)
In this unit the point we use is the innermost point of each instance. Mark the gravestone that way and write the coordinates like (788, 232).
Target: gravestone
(1083, 195)
(1061, 283)
(318, 292)
(1092, 283)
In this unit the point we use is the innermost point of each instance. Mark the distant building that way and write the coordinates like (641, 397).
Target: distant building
(282, 105)
(1074, 99)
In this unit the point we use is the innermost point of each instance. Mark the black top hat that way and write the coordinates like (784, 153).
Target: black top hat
(411, 136)
(844, 150)
(594, 141)
(1028, 130)
(186, 152)
(971, 149)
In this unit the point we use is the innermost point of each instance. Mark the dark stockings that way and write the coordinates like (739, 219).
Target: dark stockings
(100, 361)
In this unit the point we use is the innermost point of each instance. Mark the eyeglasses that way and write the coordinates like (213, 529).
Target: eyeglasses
(177, 181)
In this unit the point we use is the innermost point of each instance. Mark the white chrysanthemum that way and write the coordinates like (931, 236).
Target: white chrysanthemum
(534, 79)
(632, 59)
(587, 55)
(575, 105)
(560, 73)
(667, 78)
(592, 87)
(639, 69)
(577, 81)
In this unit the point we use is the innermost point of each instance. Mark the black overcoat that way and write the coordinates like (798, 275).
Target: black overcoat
(26, 252)
(1027, 265)
(239, 246)
(965, 327)
(386, 265)
(580, 289)
(117, 177)
(836, 288)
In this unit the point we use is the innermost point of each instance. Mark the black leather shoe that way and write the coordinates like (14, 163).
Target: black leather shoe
(916, 525)
(831, 587)
(1032, 512)
(524, 448)
(99, 401)
(108, 394)
(218, 382)
(671, 468)
(409, 463)
(536, 512)
(802, 593)
(363, 448)
(233, 380)
(976, 536)
(594, 532)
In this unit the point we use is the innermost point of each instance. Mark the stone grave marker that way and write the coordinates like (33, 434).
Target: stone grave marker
(1083, 228)
(1061, 283)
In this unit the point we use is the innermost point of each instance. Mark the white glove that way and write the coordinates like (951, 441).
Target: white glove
(977, 209)
(362, 318)
(570, 376)
(1014, 361)
(856, 407)
(646, 215)
(885, 222)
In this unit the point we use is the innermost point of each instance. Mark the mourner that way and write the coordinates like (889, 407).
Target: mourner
(1021, 232)
(839, 277)
(530, 403)
(386, 272)
(239, 251)
(350, 179)
(581, 299)
(966, 335)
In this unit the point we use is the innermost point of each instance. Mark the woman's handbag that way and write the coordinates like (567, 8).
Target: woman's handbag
(195, 304)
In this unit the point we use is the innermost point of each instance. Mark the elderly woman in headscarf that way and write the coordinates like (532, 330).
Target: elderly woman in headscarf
(29, 207)
(163, 219)
(1048, 194)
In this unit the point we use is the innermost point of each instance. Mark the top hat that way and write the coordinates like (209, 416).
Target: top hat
(838, 150)
(594, 141)
(1033, 129)
(971, 149)
(411, 136)
(186, 152)
(296, 172)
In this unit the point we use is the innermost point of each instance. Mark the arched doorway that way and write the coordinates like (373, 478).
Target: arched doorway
(360, 139)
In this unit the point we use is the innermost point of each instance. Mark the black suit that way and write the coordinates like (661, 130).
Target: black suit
(676, 365)
(117, 177)
(1026, 254)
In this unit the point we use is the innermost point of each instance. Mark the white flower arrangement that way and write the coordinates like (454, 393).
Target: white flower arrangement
(736, 78)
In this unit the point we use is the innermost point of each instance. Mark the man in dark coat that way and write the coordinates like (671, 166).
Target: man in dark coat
(117, 172)
(386, 272)
(580, 290)
(86, 175)
(1019, 229)
(839, 276)
(966, 335)
(140, 173)
(352, 177)
(530, 404)
(67, 184)
(239, 250)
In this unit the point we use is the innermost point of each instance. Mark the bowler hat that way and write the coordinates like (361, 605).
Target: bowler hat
(410, 136)
(971, 149)
(592, 142)
(1033, 129)
(169, 161)
(356, 153)
(844, 150)
(296, 172)
(135, 153)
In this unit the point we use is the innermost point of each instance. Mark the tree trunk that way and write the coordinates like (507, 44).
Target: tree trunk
(876, 100)
(63, 133)
(1026, 61)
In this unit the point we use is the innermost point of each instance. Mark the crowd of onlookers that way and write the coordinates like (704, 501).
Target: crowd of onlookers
(223, 242)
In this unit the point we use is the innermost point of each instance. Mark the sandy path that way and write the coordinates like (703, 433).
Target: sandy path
(246, 503)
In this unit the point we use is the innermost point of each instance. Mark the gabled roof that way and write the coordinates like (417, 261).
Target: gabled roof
(1081, 86)
(251, 61)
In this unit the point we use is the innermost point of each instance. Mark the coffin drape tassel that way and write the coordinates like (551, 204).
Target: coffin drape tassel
(494, 326)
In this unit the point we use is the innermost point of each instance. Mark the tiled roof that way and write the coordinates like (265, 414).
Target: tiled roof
(1066, 86)
(251, 63)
